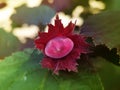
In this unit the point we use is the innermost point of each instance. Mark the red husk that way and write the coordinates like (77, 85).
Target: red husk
(69, 61)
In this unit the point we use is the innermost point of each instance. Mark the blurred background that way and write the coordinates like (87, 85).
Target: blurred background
(21, 20)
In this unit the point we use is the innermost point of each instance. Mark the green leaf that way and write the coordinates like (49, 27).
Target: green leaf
(116, 5)
(8, 43)
(37, 15)
(109, 73)
(104, 28)
(22, 71)
(112, 4)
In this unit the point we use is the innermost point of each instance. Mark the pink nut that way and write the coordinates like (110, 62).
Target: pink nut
(59, 47)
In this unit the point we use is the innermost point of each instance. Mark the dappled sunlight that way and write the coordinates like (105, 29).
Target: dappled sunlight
(29, 3)
(29, 31)
(67, 18)
(77, 40)
(76, 15)
(96, 6)
(15, 3)
(77, 11)
(25, 32)
(6, 13)
(5, 21)
(33, 3)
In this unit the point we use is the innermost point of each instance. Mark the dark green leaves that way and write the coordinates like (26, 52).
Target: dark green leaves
(104, 28)
(109, 73)
(113, 4)
(110, 55)
(22, 71)
(37, 15)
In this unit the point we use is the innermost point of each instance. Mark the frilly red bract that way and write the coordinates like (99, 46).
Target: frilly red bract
(68, 62)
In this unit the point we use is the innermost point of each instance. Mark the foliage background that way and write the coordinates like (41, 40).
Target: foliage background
(20, 22)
